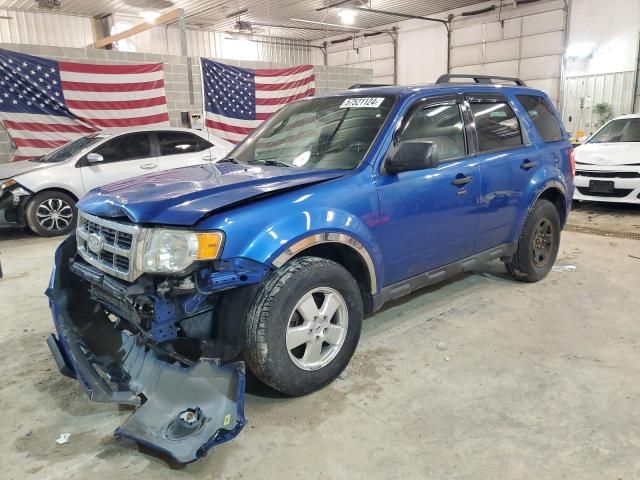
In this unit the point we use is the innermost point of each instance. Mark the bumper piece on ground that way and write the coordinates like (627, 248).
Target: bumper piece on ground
(184, 407)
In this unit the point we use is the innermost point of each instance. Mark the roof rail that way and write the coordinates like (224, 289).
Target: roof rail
(485, 79)
(368, 85)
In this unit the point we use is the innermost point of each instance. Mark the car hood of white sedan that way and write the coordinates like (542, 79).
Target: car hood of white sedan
(13, 169)
(609, 154)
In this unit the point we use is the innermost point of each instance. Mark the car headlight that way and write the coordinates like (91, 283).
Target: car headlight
(9, 182)
(10, 187)
(172, 251)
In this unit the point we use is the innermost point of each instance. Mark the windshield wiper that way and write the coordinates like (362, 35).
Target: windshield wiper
(271, 162)
(229, 160)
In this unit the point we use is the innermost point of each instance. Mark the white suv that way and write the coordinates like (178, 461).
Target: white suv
(41, 193)
(608, 164)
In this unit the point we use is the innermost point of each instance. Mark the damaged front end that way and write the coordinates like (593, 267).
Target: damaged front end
(151, 344)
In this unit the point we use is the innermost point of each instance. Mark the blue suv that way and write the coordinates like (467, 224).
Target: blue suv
(335, 205)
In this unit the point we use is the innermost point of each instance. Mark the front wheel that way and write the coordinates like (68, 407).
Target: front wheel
(51, 213)
(538, 244)
(304, 325)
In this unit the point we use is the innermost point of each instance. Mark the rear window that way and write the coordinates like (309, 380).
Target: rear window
(542, 116)
(497, 126)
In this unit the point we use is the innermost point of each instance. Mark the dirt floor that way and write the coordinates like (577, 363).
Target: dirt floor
(479, 378)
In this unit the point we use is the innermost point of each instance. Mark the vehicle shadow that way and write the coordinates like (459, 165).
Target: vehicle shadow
(606, 208)
(15, 234)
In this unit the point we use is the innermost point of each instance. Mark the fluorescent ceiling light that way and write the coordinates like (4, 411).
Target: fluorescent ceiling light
(150, 16)
(347, 16)
(580, 50)
(323, 23)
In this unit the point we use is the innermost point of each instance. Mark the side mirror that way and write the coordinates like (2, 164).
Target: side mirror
(412, 155)
(95, 158)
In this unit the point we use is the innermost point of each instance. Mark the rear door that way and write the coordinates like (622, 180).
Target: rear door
(125, 156)
(508, 160)
(182, 149)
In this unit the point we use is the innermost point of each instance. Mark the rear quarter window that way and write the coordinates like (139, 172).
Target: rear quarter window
(542, 116)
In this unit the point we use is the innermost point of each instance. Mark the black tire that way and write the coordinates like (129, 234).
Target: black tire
(55, 202)
(265, 334)
(538, 244)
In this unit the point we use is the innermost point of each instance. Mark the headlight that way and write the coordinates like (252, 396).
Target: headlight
(9, 182)
(171, 251)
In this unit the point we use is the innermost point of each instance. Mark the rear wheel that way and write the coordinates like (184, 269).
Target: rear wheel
(304, 325)
(538, 244)
(51, 213)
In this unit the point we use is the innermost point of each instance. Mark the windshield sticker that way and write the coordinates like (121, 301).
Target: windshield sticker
(363, 102)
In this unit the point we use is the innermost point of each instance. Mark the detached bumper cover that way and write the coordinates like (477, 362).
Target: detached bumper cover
(186, 409)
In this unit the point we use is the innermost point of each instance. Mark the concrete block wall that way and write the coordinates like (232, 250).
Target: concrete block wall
(328, 79)
(374, 54)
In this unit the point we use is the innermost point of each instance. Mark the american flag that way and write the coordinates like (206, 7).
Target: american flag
(237, 100)
(45, 103)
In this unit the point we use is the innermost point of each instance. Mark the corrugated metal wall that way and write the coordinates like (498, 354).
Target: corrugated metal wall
(35, 28)
(264, 49)
(581, 93)
(525, 42)
(201, 43)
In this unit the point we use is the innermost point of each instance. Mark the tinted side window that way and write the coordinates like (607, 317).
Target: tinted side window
(542, 116)
(175, 143)
(440, 124)
(126, 147)
(497, 126)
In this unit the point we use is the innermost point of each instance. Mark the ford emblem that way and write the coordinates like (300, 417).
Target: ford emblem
(95, 243)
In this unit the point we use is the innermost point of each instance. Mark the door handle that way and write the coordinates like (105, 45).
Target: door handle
(527, 164)
(462, 180)
(148, 166)
(209, 158)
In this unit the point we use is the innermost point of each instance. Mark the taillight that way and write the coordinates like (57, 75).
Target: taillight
(572, 162)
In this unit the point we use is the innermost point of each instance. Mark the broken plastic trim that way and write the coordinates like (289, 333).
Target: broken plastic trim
(188, 409)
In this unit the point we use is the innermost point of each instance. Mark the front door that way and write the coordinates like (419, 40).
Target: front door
(125, 156)
(429, 217)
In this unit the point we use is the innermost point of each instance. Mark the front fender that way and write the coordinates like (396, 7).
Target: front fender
(344, 210)
(293, 234)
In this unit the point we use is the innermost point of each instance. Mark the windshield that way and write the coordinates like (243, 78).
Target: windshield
(71, 148)
(621, 130)
(321, 133)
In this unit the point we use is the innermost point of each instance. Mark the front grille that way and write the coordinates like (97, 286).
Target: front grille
(602, 174)
(617, 192)
(108, 245)
(115, 305)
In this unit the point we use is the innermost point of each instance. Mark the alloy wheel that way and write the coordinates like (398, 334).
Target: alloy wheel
(54, 214)
(317, 328)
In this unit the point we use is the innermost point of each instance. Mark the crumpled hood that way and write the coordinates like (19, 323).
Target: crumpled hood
(184, 195)
(12, 169)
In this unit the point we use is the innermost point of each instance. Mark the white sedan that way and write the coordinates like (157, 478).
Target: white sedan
(608, 163)
(41, 193)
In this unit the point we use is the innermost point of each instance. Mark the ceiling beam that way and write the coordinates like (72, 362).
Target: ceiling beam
(167, 17)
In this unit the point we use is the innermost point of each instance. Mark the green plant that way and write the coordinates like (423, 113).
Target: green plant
(604, 112)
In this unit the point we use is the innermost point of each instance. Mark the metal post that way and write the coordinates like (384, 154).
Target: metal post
(394, 38)
(185, 53)
(449, 27)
